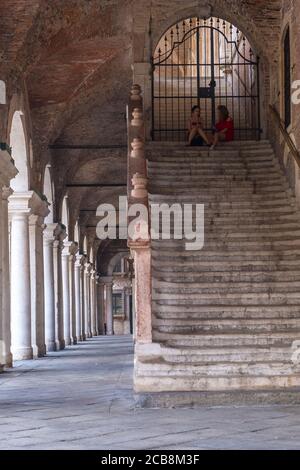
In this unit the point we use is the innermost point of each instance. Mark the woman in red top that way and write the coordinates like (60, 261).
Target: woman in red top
(224, 130)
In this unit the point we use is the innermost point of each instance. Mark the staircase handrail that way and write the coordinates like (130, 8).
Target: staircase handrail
(294, 151)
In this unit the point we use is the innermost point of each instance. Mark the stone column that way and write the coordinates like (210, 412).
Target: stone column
(100, 307)
(36, 227)
(78, 296)
(65, 261)
(142, 264)
(19, 211)
(7, 172)
(50, 234)
(127, 294)
(5, 284)
(82, 298)
(72, 259)
(87, 311)
(58, 297)
(93, 303)
(109, 305)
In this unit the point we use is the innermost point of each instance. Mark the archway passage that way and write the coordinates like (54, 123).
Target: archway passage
(206, 63)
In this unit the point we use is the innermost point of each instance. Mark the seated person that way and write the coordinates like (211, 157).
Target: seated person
(197, 136)
(224, 130)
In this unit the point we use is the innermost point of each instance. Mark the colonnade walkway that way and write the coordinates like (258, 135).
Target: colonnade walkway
(82, 398)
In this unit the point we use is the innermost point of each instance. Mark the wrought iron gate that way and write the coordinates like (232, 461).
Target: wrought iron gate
(206, 63)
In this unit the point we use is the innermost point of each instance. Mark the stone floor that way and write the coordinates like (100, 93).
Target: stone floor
(81, 398)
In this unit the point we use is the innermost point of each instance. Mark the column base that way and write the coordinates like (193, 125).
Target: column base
(60, 345)
(74, 340)
(39, 351)
(22, 354)
(51, 346)
(83, 337)
(8, 361)
(95, 333)
(68, 342)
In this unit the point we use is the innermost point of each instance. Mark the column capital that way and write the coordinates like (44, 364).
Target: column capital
(69, 248)
(7, 168)
(6, 192)
(52, 232)
(28, 202)
(87, 268)
(80, 260)
(107, 280)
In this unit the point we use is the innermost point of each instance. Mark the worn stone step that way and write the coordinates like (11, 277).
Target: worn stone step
(224, 311)
(266, 369)
(208, 326)
(172, 384)
(233, 340)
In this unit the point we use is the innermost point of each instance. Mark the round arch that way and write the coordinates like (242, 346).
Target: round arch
(114, 261)
(65, 213)
(49, 193)
(208, 63)
(17, 139)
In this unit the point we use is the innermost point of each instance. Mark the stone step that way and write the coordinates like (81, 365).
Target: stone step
(203, 257)
(283, 338)
(223, 312)
(161, 286)
(208, 326)
(226, 369)
(240, 298)
(158, 383)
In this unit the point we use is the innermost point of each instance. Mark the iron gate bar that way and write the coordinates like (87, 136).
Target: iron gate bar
(171, 97)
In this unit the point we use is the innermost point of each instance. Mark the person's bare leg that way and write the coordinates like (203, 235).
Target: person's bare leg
(193, 134)
(215, 141)
(203, 135)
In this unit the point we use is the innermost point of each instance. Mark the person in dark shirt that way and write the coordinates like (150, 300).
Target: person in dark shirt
(224, 130)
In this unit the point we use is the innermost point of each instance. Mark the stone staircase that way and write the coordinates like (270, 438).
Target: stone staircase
(225, 318)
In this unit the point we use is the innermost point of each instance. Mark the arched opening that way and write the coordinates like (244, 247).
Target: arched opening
(76, 233)
(2, 92)
(287, 78)
(49, 193)
(204, 62)
(19, 153)
(65, 214)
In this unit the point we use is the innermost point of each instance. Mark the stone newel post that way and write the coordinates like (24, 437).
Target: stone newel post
(139, 241)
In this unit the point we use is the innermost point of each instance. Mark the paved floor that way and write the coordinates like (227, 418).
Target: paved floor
(81, 398)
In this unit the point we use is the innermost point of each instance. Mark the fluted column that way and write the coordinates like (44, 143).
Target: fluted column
(82, 298)
(93, 303)
(50, 234)
(87, 311)
(72, 259)
(78, 295)
(58, 297)
(4, 229)
(109, 305)
(100, 306)
(19, 211)
(7, 172)
(65, 261)
(36, 227)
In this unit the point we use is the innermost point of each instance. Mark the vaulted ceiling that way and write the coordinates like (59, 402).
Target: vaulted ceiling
(76, 58)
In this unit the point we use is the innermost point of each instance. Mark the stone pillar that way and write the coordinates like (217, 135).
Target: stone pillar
(50, 236)
(72, 259)
(58, 297)
(93, 303)
(5, 284)
(100, 307)
(142, 264)
(19, 211)
(36, 227)
(87, 312)
(127, 294)
(82, 298)
(109, 305)
(78, 296)
(65, 262)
